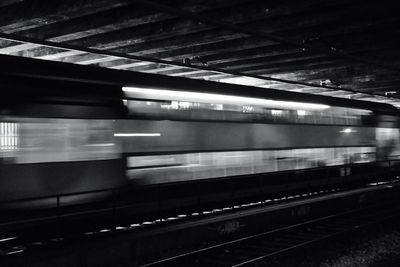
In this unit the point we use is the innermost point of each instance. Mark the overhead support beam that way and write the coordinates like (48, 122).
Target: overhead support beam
(9, 2)
(77, 49)
(256, 33)
(60, 55)
(45, 13)
(17, 48)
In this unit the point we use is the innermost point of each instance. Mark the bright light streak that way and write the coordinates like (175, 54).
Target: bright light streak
(7, 239)
(301, 112)
(217, 98)
(15, 251)
(348, 130)
(276, 112)
(390, 92)
(105, 144)
(136, 134)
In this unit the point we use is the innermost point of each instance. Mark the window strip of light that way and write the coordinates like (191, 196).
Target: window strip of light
(217, 98)
(7, 239)
(136, 134)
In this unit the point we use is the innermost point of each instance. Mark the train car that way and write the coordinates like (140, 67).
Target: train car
(194, 148)
(85, 129)
(191, 135)
(57, 138)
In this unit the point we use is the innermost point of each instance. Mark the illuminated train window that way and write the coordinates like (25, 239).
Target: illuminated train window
(8, 136)
(168, 104)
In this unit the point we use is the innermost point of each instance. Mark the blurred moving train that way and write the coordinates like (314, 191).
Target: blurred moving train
(67, 129)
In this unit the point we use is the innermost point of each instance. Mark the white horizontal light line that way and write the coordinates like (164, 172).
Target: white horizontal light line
(212, 98)
(104, 144)
(136, 134)
(7, 239)
(348, 130)
(15, 251)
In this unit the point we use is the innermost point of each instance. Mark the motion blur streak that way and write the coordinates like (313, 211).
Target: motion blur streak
(217, 98)
(136, 134)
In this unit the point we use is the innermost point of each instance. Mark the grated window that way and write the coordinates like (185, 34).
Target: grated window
(8, 136)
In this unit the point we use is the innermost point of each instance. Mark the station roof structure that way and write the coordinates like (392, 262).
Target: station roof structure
(340, 48)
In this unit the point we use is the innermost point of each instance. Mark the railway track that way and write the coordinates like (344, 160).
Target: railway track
(16, 249)
(47, 236)
(260, 247)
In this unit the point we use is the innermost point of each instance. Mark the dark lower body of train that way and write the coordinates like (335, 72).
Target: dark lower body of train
(71, 132)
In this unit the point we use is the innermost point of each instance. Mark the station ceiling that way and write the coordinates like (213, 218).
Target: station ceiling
(340, 48)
